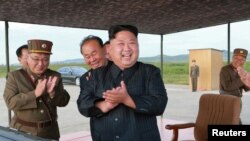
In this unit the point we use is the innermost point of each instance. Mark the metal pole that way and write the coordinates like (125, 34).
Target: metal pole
(161, 60)
(161, 55)
(228, 43)
(7, 57)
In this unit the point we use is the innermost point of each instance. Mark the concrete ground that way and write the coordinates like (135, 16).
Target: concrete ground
(182, 105)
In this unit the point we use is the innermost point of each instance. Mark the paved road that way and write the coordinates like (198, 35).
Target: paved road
(182, 105)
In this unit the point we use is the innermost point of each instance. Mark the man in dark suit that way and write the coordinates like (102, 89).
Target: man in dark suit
(35, 93)
(125, 96)
(194, 74)
(94, 54)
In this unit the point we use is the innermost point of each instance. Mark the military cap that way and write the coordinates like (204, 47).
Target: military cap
(40, 46)
(240, 52)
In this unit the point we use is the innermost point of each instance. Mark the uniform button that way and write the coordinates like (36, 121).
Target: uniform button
(42, 111)
(116, 119)
(40, 100)
(117, 137)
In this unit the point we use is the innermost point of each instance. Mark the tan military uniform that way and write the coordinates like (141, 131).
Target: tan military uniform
(37, 116)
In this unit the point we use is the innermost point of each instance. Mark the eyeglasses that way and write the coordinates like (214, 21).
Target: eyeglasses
(37, 60)
(239, 59)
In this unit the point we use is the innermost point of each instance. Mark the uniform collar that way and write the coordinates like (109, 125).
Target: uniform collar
(115, 70)
(34, 76)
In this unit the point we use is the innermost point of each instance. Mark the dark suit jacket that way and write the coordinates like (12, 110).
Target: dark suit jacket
(145, 86)
(230, 82)
(20, 97)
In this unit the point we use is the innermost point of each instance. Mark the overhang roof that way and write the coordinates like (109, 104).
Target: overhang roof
(150, 16)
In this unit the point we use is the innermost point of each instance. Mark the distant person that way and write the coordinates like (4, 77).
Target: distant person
(22, 55)
(35, 93)
(230, 81)
(106, 46)
(194, 74)
(125, 96)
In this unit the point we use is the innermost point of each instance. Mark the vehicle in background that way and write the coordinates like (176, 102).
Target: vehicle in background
(71, 74)
(11, 134)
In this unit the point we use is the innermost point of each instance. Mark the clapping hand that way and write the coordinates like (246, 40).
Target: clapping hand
(244, 76)
(119, 95)
(116, 95)
(51, 83)
(241, 72)
(40, 87)
(47, 84)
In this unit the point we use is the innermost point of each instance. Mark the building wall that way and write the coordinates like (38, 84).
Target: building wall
(210, 62)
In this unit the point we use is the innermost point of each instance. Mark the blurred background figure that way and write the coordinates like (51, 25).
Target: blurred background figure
(22, 55)
(231, 75)
(194, 74)
(106, 46)
(230, 81)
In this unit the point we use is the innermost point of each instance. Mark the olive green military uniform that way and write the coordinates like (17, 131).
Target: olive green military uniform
(37, 116)
(230, 82)
(194, 74)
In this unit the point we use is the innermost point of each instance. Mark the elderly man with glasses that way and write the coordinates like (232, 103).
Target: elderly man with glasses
(35, 93)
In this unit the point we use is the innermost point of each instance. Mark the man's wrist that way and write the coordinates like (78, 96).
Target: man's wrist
(52, 94)
(102, 106)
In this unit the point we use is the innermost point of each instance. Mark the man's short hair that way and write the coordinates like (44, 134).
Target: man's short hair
(106, 43)
(91, 37)
(19, 50)
(113, 30)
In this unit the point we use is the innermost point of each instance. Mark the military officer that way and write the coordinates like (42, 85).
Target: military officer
(35, 93)
(230, 82)
(194, 74)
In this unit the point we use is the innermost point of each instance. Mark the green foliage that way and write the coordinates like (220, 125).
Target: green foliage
(3, 70)
(173, 73)
(247, 66)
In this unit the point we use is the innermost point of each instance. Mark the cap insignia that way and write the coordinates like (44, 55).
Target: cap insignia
(44, 45)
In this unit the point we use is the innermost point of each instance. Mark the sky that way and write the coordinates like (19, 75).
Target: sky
(66, 41)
